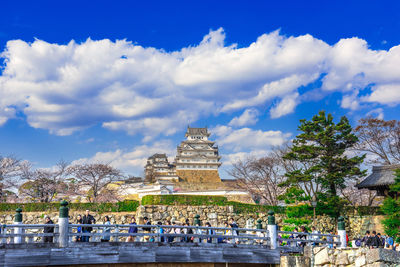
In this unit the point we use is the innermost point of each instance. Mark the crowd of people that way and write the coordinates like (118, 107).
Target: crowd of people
(376, 240)
(370, 240)
(165, 233)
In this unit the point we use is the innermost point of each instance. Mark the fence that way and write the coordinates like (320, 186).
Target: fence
(65, 233)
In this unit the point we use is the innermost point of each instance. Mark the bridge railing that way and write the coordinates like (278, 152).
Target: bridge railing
(27, 233)
(168, 233)
(302, 238)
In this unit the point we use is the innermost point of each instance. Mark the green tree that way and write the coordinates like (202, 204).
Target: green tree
(391, 209)
(320, 149)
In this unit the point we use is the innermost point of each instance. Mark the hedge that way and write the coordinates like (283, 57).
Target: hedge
(181, 200)
(127, 205)
(184, 200)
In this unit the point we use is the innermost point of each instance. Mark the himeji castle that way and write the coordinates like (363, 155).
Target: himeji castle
(197, 161)
(193, 171)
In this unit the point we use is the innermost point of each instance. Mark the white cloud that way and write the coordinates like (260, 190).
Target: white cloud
(132, 161)
(248, 117)
(124, 86)
(285, 106)
(229, 159)
(248, 139)
(378, 113)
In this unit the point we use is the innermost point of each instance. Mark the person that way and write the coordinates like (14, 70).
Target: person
(48, 230)
(233, 232)
(106, 230)
(161, 232)
(293, 236)
(224, 239)
(185, 232)
(330, 239)
(177, 231)
(189, 239)
(170, 230)
(315, 237)
(78, 229)
(374, 243)
(366, 239)
(381, 240)
(87, 219)
(303, 236)
(209, 232)
(390, 243)
(132, 230)
(234, 226)
(146, 229)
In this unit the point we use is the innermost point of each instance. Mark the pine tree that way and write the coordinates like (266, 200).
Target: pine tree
(391, 208)
(320, 149)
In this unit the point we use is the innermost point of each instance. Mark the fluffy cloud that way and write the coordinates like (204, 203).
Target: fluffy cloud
(124, 86)
(247, 139)
(132, 161)
(285, 106)
(248, 117)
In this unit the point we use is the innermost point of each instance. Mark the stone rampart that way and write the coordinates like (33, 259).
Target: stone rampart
(322, 256)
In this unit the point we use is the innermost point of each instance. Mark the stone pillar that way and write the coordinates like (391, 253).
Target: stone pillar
(63, 224)
(272, 231)
(197, 231)
(18, 230)
(342, 232)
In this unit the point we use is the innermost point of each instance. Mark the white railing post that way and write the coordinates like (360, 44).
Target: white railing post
(63, 225)
(18, 230)
(116, 237)
(342, 232)
(272, 231)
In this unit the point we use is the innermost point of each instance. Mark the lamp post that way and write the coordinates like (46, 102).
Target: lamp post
(314, 205)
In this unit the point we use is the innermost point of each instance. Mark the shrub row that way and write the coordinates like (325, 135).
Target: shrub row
(127, 205)
(183, 200)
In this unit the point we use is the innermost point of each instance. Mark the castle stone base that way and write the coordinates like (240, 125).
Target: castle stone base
(199, 176)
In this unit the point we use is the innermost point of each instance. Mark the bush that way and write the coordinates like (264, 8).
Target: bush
(127, 205)
(184, 200)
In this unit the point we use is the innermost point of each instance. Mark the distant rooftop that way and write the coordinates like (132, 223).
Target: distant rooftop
(197, 131)
(380, 176)
(158, 155)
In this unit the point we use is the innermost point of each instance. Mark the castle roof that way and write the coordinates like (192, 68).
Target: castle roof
(158, 155)
(197, 131)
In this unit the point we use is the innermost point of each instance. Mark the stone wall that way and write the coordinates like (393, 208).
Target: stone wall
(356, 257)
(199, 176)
(216, 215)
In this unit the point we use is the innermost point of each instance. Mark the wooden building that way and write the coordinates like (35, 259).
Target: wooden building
(380, 179)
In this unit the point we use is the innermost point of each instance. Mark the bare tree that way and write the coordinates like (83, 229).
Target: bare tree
(260, 177)
(379, 138)
(310, 186)
(44, 184)
(96, 180)
(358, 197)
(10, 171)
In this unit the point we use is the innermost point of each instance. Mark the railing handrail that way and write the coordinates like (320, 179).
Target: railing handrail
(166, 226)
(304, 233)
(28, 225)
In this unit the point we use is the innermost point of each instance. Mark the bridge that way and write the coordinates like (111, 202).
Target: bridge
(22, 244)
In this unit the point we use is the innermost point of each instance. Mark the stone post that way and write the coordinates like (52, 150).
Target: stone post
(18, 230)
(259, 224)
(63, 224)
(342, 232)
(272, 231)
(197, 222)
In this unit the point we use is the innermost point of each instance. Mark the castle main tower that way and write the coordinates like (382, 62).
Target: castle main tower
(197, 159)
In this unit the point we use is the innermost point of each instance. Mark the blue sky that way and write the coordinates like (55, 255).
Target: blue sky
(117, 81)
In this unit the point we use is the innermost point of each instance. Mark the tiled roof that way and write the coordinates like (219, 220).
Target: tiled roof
(380, 176)
(197, 131)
